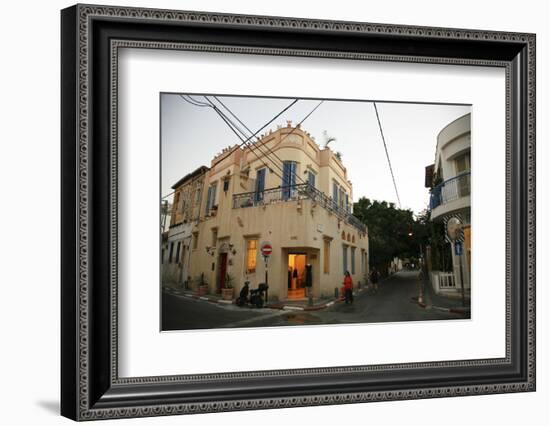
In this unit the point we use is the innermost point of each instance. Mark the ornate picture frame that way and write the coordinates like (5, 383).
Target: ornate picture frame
(90, 384)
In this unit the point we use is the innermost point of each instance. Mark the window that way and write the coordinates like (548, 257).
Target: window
(311, 178)
(345, 258)
(260, 185)
(195, 240)
(347, 203)
(335, 193)
(251, 249)
(363, 271)
(211, 199)
(289, 178)
(226, 185)
(171, 252)
(462, 164)
(353, 260)
(341, 198)
(178, 252)
(326, 257)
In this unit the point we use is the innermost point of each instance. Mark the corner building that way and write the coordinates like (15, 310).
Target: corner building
(286, 190)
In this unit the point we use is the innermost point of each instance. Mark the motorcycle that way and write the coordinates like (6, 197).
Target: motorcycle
(252, 298)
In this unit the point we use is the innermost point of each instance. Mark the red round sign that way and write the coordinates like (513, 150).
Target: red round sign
(266, 249)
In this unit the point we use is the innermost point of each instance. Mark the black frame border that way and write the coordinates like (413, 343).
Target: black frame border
(90, 388)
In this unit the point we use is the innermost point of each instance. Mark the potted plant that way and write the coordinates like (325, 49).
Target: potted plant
(202, 288)
(227, 290)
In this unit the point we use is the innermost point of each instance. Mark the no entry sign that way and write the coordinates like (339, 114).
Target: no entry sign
(266, 249)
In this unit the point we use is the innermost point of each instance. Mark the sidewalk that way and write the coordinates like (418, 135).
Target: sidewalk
(445, 303)
(290, 305)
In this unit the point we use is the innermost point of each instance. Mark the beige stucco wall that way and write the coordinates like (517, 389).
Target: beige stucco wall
(290, 227)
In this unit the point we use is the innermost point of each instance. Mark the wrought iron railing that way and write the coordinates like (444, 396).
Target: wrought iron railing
(450, 190)
(296, 192)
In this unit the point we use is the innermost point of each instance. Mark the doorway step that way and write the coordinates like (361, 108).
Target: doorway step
(299, 293)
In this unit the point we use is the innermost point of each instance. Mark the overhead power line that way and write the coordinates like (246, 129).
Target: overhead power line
(236, 130)
(243, 136)
(270, 151)
(387, 154)
(256, 132)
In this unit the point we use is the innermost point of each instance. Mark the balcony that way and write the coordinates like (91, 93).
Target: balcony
(450, 190)
(301, 191)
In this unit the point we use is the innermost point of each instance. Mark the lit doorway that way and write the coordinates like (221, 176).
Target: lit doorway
(296, 275)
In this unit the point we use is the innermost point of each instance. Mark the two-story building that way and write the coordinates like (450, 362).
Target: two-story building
(449, 180)
(184, 215)
(286, 190)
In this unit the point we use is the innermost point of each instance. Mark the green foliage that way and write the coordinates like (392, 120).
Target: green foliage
(200, 280)
(393, 232)
(441, 249)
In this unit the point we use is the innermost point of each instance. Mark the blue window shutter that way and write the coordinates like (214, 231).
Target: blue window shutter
(260, 185)
(208, 198)
(335, 193)
(211, 197)
(289, 178)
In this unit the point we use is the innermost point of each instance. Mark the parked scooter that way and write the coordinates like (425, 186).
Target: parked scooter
(252, 298)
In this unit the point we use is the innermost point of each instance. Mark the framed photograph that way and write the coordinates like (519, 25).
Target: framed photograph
(264, 212)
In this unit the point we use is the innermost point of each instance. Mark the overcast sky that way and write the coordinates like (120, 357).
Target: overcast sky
(192, 135)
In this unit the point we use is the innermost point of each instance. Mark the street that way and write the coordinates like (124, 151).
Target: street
(393, 302)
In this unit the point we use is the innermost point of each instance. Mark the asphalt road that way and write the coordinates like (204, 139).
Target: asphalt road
(392, 303)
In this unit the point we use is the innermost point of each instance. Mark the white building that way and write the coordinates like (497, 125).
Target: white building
(449, 180)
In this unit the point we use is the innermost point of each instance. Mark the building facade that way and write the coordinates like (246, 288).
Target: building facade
(184, 215)
(449, 180)
(286, 190)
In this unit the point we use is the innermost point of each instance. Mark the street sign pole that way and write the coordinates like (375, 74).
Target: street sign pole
(266, 249)
(266, 284)
(459, 253)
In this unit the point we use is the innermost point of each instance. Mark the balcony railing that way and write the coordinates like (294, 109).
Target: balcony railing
(292, 193)
(450, 190)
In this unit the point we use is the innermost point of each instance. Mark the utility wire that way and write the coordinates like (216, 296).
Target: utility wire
(245, 140)
(270, 151)
(256, 132)
(167, 195)
(387, 154)
(236, 130)
(190, 100)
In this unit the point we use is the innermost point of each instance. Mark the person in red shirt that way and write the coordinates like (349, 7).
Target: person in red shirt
(348, 288)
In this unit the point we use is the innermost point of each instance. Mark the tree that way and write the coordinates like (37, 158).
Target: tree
(393, 232)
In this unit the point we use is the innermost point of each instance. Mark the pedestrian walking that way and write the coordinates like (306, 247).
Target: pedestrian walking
(348, 288)
(374, 276)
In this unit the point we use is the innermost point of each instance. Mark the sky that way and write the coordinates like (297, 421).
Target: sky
(192, 135)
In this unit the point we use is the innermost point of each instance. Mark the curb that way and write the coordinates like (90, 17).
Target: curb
(276, 306)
